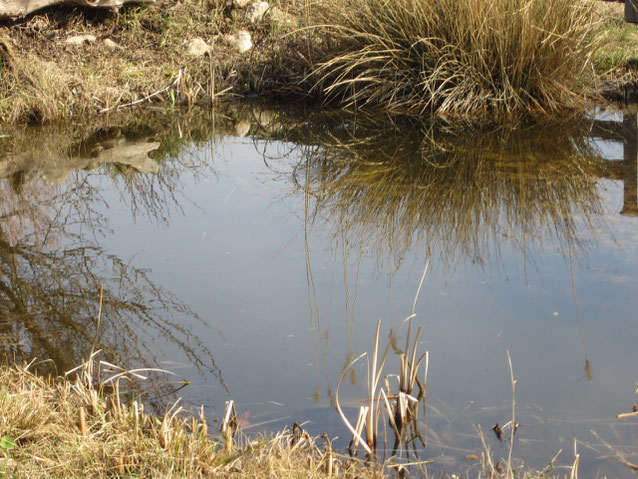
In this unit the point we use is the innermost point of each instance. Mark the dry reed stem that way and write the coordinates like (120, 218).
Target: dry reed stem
(625, 415)
(406, 405)
(574, 470)
(83, 421)
(510, 471)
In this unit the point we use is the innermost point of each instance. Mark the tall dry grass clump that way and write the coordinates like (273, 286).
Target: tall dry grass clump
(87, 424)
(452, 56)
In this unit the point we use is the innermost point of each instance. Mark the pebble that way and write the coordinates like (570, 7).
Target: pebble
(80, 39)
(111, 44)
(256, 11)
(197, 47)
(240, 41)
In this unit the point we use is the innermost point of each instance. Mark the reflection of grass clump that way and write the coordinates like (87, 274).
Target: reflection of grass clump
(503, 55)
(392, 185)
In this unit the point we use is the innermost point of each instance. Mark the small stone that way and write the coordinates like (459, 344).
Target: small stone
(80, 39)
(197, 47)
(241, 3)
(255, 11)
(108, 43)
(242, 128)
(240, 41)
(277, 15)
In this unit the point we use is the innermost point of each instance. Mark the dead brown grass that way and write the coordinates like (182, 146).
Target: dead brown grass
(44, 79)
(462, 57)
(77, 427)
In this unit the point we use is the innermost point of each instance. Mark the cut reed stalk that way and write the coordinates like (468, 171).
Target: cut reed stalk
(229, 425)
(510, 471)
(405, 409)
(574, 470)
(83, 422)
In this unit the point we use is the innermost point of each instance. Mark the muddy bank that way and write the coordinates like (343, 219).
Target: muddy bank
(68, 62)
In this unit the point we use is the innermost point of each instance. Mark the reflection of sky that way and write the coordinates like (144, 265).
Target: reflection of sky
(237, 256)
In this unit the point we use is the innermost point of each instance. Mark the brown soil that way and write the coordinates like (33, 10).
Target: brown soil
(44, 78)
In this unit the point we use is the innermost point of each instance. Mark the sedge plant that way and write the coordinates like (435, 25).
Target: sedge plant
(461, 57)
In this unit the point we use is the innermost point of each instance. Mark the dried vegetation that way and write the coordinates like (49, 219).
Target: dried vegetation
(463, 57)
(137, 53)
(87, 425)
(417, 56)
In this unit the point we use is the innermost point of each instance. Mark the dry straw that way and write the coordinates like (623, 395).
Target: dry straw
(451, 56)
(402, 414)
(88, 425)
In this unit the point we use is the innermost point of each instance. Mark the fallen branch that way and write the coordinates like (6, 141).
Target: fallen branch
(146, 98)
(627, 414)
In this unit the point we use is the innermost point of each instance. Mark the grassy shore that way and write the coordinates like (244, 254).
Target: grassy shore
(141, 54)
(83, 426)
(74, 427)
(617, 56)
(521, 55)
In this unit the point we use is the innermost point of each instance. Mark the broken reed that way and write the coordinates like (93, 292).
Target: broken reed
(402, 413)
(473, 56)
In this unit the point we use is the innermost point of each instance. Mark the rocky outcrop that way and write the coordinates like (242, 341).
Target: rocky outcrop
(20, 8)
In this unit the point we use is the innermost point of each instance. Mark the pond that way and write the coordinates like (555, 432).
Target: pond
(252, 251)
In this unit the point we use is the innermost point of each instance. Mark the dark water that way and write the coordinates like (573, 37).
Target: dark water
(253, 252)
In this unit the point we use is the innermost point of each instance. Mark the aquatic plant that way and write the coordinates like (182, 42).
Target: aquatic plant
(403, 412)
(465, 57)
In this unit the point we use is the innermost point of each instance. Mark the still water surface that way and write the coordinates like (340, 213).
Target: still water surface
(253, 254)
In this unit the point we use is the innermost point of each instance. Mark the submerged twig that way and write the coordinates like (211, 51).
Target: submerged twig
(510, 471)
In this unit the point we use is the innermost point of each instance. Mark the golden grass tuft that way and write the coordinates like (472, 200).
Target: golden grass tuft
(464, 57)
(81, 427)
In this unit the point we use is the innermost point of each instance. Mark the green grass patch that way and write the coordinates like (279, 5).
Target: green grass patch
(618, 50)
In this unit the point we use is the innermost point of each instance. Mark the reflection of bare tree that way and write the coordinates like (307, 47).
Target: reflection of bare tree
(52, 267)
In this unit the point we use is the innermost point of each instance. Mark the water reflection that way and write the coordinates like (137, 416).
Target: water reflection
(624, 170)
(387, 188)
(389, 185)
(53, 217)
(367, 195)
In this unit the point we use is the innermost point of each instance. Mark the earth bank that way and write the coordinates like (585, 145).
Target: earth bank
(66, 62)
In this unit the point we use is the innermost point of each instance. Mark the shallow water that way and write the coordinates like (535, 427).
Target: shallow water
(252, 254)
